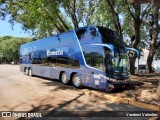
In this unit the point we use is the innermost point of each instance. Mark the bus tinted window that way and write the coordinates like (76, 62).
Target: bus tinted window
(94, 57)
(74, 63)
(62, 61)
(112, 37)
(51, 61)
(82, 34)
(97, 58)
(93, 33)
(67, 62)
(87, 51)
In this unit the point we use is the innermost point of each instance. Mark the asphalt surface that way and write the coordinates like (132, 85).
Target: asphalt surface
(19, 92)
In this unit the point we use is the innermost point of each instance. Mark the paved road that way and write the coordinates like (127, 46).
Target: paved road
(19, 92)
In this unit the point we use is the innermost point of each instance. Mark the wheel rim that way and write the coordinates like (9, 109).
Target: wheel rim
(26, 71)
(30, 72)
(64, 78)
(77, 81)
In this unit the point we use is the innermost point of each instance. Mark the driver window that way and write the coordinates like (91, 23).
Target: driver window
(97, 58)
(94, 57)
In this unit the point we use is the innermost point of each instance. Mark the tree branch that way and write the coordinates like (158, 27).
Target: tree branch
(74, 14)
(52, 19)
(116, 21)
(58, 28)
(59, 17)
(129, 9)
(110, 4)
(146, 11)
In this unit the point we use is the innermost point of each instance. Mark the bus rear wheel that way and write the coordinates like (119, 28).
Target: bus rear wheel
(64, 78)
(30, 72)
(77, 81)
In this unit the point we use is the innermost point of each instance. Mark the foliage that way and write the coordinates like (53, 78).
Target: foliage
(9, 48)
(158, 53)
(45, 18)
(154, 41)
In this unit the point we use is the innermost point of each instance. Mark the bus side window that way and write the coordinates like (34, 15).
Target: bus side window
(93, 33)
(51, 61)
(87, 56)
(26, 56)
(74, 63)
(62, 61)
(97, 61)
(29, 56)
(81, 34)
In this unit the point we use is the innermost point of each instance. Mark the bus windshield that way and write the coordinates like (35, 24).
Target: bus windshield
(118, 64)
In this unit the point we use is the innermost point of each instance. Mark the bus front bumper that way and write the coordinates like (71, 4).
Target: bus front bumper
(116, 84)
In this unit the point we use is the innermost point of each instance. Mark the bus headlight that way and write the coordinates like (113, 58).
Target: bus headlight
(111, 86)
(112, 79)
(119, 81)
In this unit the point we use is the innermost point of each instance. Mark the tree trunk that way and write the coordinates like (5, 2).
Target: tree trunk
(154, 43)
(62, 21)
(59, 29)
(115, 17)
(135, 43)
(132, 65)
(150, 60)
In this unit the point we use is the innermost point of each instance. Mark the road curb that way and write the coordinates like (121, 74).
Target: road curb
(123, 100)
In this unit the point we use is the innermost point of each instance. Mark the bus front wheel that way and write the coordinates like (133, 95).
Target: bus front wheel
(26, 71)
(77, 81)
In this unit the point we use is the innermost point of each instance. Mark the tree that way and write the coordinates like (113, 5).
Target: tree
(107, 14)
(154, 2)
(154, 31)
(42, 17)
(9, 48)
(154, 43)
(137, 13)
(127, 19)
(115, 16)
(45, 18)
(157, 55)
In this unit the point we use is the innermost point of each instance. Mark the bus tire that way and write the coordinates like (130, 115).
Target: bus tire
(77, 81)
(26, 71)
(64, 78)
(30, 72)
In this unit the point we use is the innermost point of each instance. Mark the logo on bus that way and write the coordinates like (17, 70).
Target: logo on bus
(58, 52)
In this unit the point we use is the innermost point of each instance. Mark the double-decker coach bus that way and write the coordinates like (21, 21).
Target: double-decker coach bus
(91, 56)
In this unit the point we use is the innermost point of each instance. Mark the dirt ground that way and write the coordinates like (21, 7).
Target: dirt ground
(143, 88)
(19, 92)
(146, 88)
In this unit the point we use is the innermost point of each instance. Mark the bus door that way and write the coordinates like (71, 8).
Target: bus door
(97, 79)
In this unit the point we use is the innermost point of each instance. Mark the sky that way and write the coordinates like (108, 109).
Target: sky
(6, 29)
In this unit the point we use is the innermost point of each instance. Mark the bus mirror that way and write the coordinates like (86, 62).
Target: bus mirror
(131, 54)
(134, 52)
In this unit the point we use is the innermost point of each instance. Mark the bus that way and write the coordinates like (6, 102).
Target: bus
(91, 56)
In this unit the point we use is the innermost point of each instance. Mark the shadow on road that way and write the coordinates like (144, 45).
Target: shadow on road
(81, 111)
